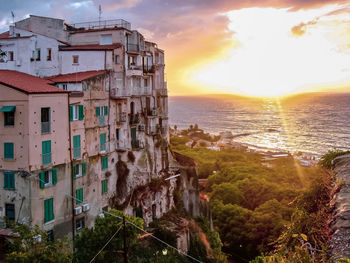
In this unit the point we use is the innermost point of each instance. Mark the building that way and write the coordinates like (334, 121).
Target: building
(104, 112)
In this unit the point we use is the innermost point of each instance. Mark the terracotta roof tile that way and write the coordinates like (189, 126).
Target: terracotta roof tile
(75, 77)
(91, 47)
(6, 35)
(27, 83)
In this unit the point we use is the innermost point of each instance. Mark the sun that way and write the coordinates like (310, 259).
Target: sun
(271, 59)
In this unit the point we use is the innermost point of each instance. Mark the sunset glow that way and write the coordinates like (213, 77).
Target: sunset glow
(280, 51)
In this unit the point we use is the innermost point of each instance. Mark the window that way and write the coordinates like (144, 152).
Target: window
(9, 118)
(145, 82)
(48, 178)
(37, 53)
(76, 112)
(9, 115)
(48, 210)
(8, 150)
(45, 120)
(9, 180)
(75, 59)
(101, 111)
(106, 40)
(79, 170)
(104, 184)
(64, 87)
(10, 211)
(104, 162)
(10, 56)
(76, 147)
(117, 59)
(79, 196)
(48, 58)
(102, 142)
(80, 223)
(46, 152)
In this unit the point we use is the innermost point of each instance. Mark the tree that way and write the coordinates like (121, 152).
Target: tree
(91, 240)
(34, 246)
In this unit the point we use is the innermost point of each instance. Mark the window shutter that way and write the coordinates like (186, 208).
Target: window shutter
(46, 210)
(83, 168)
(105, 108)
(54, 176)
(8, 150)
(51, 215)
(42, 180)
(74, 170)
(9, 180)
(71, 113)
(81, 112)
(97, 111)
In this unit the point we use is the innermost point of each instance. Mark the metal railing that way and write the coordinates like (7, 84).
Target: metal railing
(76, 153)
(45, 127)
(101, 24)
(46, 158)
(134, 119)
(133, 47)
(122, 117)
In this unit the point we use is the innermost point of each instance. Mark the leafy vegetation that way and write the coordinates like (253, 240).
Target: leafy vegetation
(327, 159)
(260, 208)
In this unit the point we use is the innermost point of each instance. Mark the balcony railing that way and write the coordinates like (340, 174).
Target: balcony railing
(134, 119)
(148, 69)
(121, 145)
(103, 147)
(133, 47)
(101, 120)
(122, 117)
(46, 158)
(45, 127)
(100, 24)
(135, 144)
(76, 153)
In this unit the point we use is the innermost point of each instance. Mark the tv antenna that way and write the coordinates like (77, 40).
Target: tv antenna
(13, 17)
(99, 15)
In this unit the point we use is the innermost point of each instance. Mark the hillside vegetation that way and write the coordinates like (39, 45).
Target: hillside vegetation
(279, 209)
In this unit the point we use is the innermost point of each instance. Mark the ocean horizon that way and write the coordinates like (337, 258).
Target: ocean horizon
(312, 123)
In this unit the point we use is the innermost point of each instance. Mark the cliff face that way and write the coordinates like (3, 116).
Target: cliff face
(339, 245)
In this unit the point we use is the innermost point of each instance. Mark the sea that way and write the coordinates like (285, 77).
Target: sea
(312, 123)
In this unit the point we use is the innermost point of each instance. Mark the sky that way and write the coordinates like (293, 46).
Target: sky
(251, 47)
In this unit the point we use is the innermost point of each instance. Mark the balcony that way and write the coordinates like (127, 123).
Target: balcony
(162, 92)
(134, 119)
(117, 93)
(136, 144)
(133, 48)
(121, 146)
(76, 153)
(121, 117)
(45, 127)
(101, 120)
(46, 158)
(134, 70)
(115, 23)
(148, 69)
(141, 91)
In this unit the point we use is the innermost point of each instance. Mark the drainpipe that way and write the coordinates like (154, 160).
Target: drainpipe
(71, 171)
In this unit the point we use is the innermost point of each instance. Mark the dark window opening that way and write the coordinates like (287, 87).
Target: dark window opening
(10, 211)
(9, 118)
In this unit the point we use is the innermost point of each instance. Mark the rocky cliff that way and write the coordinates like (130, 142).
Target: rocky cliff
(339, 245)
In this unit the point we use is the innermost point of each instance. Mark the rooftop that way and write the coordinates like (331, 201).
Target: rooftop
(90, 47)
(6, 35)
(75, 77)
(27, 83)
(115, 23)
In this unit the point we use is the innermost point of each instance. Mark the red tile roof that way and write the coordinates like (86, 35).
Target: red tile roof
(75, 77)
(91, 47)
(27, 83)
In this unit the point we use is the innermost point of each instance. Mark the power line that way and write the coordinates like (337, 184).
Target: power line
(131, 223)
(116, 232)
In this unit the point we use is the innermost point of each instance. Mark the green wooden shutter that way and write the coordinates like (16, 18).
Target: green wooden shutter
(97, 111)
(104, 162)
(8, 150)
(42, 180)
(46, 152)
(81, 112)
(79, 195)
(9, 180)
(105, 108)
(54, 176)
(48, 210)
(76, 146)
(104, 184)
(74, 170)
(83, 165)
(71, 113)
